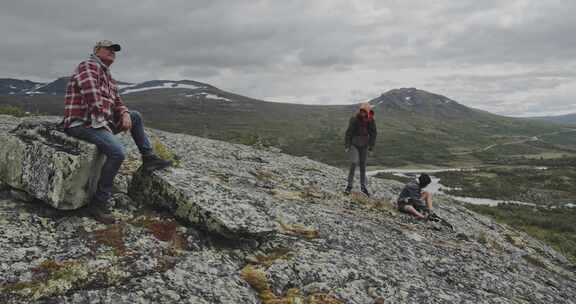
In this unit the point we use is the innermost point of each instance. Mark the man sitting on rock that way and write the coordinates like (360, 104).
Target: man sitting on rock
(413, 200)
(94, 112)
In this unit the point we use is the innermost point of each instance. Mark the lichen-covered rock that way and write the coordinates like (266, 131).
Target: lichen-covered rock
(205, 202)
(340, 249)
(49, 165)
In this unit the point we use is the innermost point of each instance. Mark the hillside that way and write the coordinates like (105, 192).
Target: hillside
(562, 119)
(415, 126)
(324, 247)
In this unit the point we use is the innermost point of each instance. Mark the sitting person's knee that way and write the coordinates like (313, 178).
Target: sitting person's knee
(117, 154)
(407, 208)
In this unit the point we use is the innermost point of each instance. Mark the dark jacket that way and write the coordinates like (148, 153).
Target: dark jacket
(361, 133)
(411, 191)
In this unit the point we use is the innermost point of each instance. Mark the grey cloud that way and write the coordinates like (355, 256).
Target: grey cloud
(498, 84)
(322, 51)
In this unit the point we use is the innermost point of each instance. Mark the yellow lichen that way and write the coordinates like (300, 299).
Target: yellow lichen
(312, 192)
(268, 259)
(373, 203)
(262, 175)
(286, 195)
(53, 278)
(256, 277)
(299, 230)
(164, 152)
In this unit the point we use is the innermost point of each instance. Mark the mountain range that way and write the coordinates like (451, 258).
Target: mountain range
(563, 119)
(415, 126)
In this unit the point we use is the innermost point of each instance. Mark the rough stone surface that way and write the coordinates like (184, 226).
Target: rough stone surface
(348, 248)
(204, 201)
(48, 165)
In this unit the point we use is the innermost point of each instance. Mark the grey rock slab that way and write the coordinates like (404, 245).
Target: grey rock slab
(205, 202)
(49, 165)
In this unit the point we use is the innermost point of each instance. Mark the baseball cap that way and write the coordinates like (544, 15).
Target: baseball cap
(107, 44)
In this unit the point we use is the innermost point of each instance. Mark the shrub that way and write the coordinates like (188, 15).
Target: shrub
(14, 111)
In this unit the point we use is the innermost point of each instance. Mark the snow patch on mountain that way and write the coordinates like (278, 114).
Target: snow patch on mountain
(208, 96)
(36, 90)
(134, 88)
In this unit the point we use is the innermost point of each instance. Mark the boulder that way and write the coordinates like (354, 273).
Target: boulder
(204, 202)
(50, 166)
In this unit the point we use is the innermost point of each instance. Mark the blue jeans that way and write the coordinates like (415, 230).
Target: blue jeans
(115, 153)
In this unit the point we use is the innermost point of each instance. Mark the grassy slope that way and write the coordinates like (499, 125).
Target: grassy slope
(553, 226)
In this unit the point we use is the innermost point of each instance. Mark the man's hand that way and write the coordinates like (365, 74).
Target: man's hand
(125, 122)
(346, 149)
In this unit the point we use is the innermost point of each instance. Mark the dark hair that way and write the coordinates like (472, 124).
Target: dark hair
(424, 180)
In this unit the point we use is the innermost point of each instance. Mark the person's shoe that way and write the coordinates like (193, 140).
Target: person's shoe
(365, 191)
(347, 190)
(153, 162)
(100, 211)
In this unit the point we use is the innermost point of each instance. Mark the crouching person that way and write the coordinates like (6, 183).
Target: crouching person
(413, 200)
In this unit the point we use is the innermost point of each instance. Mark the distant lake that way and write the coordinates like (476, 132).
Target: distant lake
(436, 187)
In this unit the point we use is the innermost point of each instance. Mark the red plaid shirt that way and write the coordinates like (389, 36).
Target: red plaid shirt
(92, 97)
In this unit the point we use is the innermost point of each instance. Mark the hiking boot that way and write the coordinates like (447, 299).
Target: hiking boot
(365, 191)
(347, 190)
(102, 216)
(100, 211)
(153, 162)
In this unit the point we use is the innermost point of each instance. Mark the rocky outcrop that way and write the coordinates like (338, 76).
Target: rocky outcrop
(48, 165)
(328, 248)
(205, 202)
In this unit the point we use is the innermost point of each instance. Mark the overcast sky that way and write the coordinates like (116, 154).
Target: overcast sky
(514, 57)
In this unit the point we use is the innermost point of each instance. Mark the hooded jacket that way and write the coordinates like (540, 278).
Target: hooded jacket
(411, 191)
(361, 132)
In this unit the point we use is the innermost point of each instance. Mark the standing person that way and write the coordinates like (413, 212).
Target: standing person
(94, 112)
(360, 138)
(413, 200)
